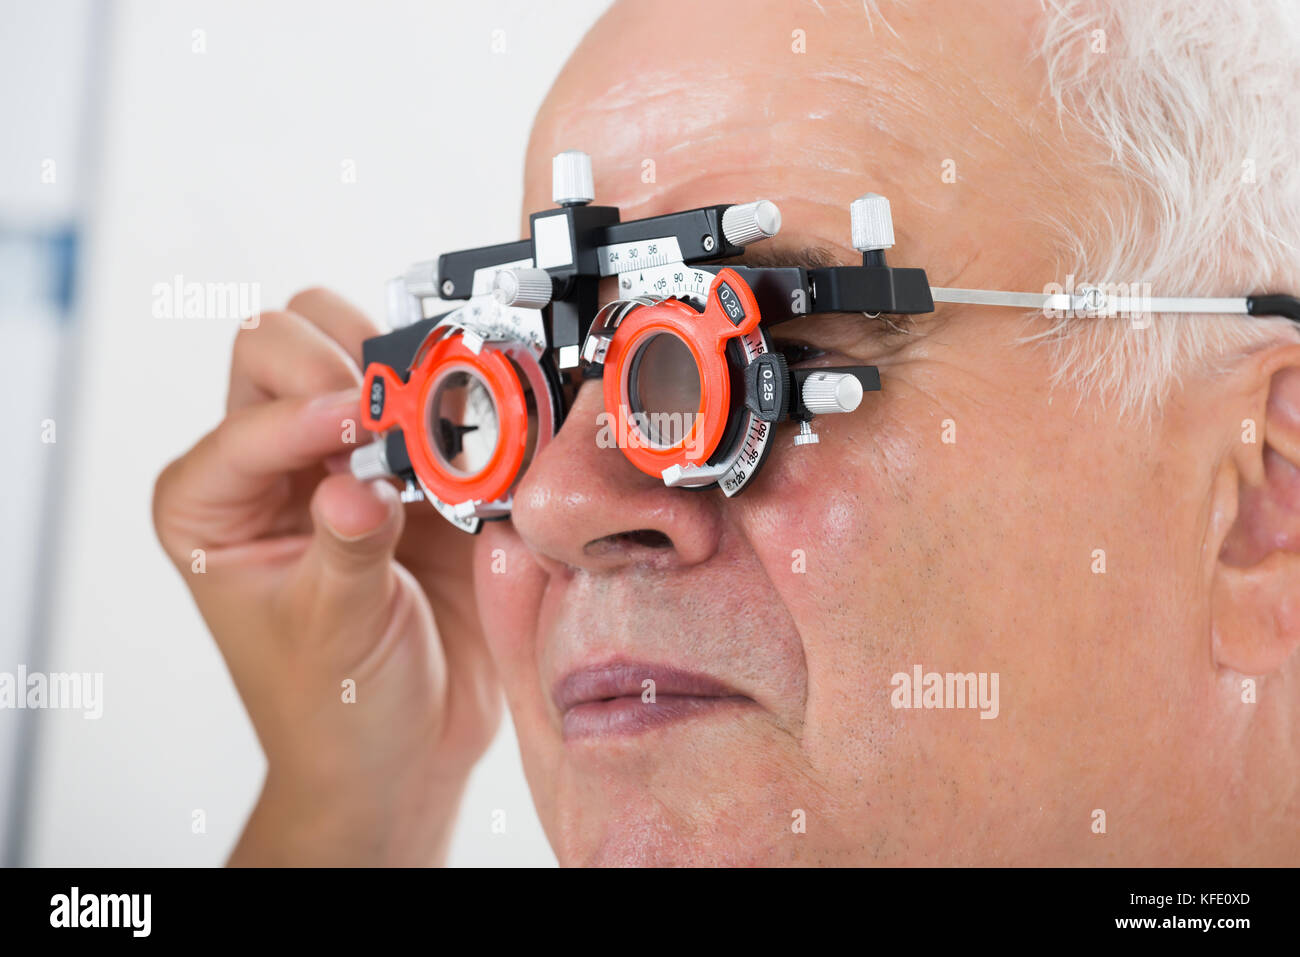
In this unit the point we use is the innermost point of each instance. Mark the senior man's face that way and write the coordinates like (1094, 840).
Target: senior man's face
(956, 521)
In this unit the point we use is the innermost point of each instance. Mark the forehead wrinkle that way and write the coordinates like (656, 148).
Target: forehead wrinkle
(906, 114)
(828, 119)
(828, 116)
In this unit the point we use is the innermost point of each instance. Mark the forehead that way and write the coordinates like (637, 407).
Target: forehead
(683, 104)
(677, 100)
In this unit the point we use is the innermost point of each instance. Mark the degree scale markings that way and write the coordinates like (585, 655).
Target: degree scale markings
(640, 254)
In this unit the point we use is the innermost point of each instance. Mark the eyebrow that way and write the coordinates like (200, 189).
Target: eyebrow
(806, 257)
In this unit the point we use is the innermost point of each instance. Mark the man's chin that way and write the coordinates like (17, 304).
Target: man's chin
(650, 837)
(725, 794)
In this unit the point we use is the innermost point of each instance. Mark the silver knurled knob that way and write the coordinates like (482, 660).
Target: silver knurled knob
(528, 287)
(370, 461)
(806, 435)
(571, 182)
(422, 278)
(750, 222)
(827, 392)
(873, 226)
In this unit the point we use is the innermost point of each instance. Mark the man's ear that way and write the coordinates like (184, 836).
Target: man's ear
(1256, 591)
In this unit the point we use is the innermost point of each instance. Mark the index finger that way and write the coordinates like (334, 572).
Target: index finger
(217, 493)
(336, 317)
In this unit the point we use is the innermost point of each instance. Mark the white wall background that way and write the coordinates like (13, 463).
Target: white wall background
(225, 166)
(47, 63)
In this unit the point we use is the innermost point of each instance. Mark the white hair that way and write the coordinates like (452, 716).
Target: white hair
(1197, 105)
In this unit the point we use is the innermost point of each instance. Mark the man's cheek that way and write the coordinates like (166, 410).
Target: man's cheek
(819, 516)
(855, 534)
(829, 531)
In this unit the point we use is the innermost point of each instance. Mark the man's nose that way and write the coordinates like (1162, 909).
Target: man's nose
(588, 507)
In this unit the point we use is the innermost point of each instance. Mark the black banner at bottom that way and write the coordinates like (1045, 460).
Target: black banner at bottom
(136, 906)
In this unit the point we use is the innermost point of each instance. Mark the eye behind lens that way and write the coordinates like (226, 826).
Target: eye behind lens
(463, 424)
(796, 352)
(664, 389)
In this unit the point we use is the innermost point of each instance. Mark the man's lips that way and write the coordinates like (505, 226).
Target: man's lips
(615, 698)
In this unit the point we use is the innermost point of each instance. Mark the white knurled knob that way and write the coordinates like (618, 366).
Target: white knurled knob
(827, 392)
(404, 307)
(873, 226)
(370, 461)
(750, 222)
(571, 182)
(422, 278)
(528, 287)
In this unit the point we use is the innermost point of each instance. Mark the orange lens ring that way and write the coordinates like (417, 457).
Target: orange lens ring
(715, 387)
(405, 408)
(706, 335)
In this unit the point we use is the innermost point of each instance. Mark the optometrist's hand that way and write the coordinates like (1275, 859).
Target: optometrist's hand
(348, 626)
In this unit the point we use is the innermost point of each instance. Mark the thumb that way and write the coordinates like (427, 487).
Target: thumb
(346, 576)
